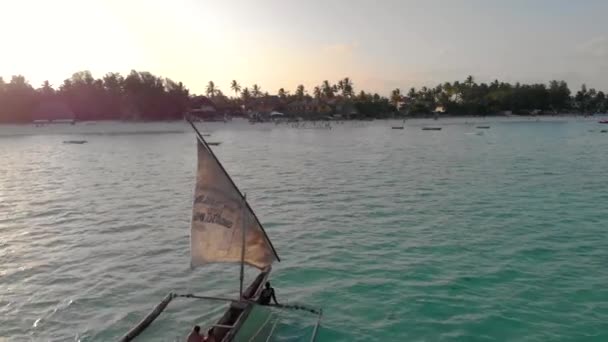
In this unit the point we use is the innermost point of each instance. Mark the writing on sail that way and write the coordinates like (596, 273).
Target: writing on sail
(211, 210)
(212, 218)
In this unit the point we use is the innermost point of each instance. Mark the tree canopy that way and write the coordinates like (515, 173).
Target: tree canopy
(138, 96)
(471, 98)
(141, 95)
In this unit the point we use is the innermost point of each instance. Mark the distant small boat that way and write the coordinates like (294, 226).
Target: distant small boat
(483, 127)
(397, 127)
(79, 142)
(213, 143)
(603, 121)
(604, 131)
(431, 128)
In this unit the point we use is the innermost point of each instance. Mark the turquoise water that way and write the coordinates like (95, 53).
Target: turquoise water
(399, 235)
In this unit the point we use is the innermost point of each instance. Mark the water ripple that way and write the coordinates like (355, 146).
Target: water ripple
(399, 236)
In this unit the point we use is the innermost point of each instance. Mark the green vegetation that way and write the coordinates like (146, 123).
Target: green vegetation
(470, 98)
(144, 96)
(138, 96)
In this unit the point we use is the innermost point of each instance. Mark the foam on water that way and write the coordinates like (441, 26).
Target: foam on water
(397, 234)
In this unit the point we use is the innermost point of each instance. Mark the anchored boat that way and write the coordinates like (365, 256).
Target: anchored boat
(224, 229)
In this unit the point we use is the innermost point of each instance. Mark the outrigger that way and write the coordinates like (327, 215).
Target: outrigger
(225, 229)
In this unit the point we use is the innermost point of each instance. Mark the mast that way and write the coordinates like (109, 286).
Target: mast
(243, 232)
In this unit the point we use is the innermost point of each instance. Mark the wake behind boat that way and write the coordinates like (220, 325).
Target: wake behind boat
(224, 229)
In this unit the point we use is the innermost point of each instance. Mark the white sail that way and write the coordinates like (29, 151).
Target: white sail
(219, 215)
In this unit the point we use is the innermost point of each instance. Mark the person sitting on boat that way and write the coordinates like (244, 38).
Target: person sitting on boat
(195, 335)
(210, 336)
(266, 295)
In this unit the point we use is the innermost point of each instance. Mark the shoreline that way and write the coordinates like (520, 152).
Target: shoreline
(110, 127)
(371, 119)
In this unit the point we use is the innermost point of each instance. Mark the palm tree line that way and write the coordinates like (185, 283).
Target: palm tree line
(343, 87)
(465, 97)
(144, 96)
(368, 104)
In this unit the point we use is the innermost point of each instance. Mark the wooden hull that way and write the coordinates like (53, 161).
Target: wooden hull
(233, 319)
(243, 321)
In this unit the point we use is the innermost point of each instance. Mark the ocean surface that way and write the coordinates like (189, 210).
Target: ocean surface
(399, 235)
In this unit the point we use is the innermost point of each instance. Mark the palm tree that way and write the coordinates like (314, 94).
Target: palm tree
(340, 85)
(412, 94)
(236, 88)
(211, 90)
(347, 87)
(245, 94)
(582, 98)
(317, 92)
(47, 89)
(469, 81)
(256, 91)
(327, 89)
(443, 94)
(300, 91)
(282, 93)
(362, 96)
(396, 97)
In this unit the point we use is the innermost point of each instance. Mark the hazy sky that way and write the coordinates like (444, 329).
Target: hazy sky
(379, 44)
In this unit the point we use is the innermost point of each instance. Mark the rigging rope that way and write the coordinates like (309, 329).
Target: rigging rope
(298, 307)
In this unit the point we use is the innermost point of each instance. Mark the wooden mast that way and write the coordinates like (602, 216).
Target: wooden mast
(243, 232)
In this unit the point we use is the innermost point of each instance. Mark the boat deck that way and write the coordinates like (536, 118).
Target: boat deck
(228, 326)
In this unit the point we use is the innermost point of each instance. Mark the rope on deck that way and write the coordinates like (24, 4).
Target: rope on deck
(141, 326)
